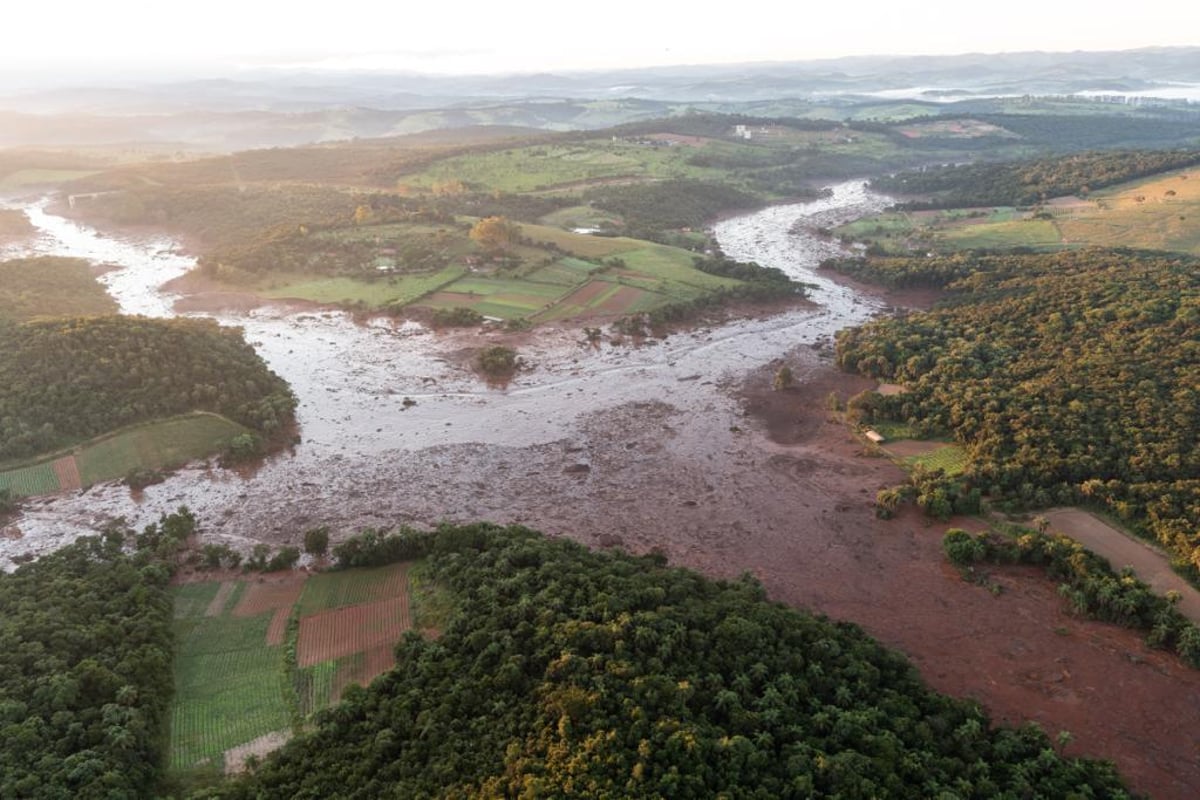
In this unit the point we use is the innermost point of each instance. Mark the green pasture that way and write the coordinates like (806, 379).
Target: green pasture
(230, 687)
(583, 245)
(155, 445)
(674, 267)
(891, 430)
(565, 272)
(394, 290)
(579, 217)
(1161, 212)
(314, 685)
(1038, 233)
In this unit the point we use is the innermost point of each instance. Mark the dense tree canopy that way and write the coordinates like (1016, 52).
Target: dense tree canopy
(1026, 182)
(568, 673)
(1071, 376)
(67, 380)
(50, 286)
(85, 666)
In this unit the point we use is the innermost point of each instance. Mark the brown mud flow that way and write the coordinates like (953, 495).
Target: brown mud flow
(677, 445)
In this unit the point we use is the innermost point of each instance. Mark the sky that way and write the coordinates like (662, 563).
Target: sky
(469, 36)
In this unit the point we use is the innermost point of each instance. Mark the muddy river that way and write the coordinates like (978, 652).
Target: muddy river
(525, 453)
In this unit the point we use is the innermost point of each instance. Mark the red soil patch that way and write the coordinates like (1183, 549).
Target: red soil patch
(888, 389)
(622, 301)
(270, 594)
(278, 627)
(67, 472)
(345, 631)
(586, 294)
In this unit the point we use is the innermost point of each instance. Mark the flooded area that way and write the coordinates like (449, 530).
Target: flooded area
(677, 445)
(361, 438)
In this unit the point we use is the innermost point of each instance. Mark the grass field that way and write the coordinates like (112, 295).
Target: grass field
(531, 279)
(156, 445)
(545, 167)
(397, 290)
(153, 445)
(233, 686)
(951, 458)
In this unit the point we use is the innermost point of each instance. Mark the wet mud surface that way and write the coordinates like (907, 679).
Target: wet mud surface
(677, 445)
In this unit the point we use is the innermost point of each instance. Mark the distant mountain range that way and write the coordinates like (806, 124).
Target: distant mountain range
(276, 108)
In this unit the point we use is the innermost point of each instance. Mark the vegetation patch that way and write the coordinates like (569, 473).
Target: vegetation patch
(49, 286)
(951, 459)
(32, 480)
(1069, 378)
(85, 670)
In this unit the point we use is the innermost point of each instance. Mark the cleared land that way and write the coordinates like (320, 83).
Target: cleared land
(1122, 550)
(236, 693)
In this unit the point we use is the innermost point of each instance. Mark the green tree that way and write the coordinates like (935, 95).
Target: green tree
(495, 234)
(316, 541)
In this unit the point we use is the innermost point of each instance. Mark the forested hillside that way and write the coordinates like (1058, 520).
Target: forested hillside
(50, 286)
(67, 380)
(1025, 182)
(569, 673)
(1071, 377)
(85, 666)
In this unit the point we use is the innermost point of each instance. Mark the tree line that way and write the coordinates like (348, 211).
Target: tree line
(1021, 183)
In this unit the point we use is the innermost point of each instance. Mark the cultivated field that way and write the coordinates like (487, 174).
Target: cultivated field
(560, 275)
(235, 681)
(153, 445)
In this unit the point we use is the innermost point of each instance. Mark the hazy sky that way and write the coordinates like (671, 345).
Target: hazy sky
(529, 35)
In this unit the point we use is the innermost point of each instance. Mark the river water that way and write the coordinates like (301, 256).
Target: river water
(367, 458)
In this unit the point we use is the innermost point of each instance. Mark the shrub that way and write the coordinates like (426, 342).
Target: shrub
(316, 541)
(962, 548)
(498, 361)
